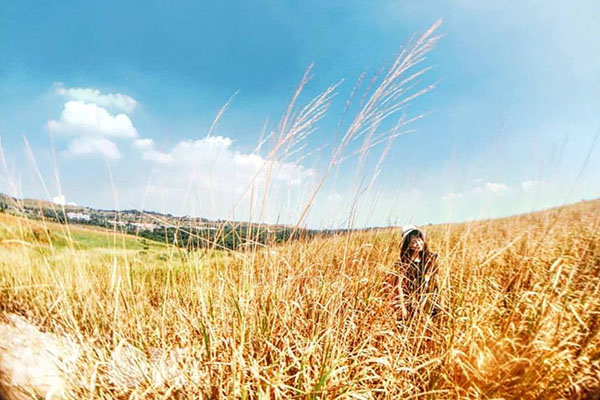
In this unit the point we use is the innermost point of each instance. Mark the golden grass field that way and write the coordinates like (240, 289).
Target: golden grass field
(313, 319)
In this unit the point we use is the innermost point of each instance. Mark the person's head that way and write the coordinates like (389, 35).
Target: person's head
(413, 242)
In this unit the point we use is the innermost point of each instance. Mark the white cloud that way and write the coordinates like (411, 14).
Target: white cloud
(144, 144)
(209, 176)
(487, 188)
(91, 145)
(205, 149)
(208, 173)
(117, 101)
(497, 189)
(531, 185)
(450, 196)
(215, 153)
(83, 119)
(151, 154)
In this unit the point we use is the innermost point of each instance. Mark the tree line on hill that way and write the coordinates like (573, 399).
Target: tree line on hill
(226, 236)
(183, 232)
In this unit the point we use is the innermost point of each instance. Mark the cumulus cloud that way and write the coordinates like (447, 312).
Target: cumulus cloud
(144, 144)
(116, 101)
(492, 188)
(532, 184)
(90, 145)
(483, 188)
(152, 154)
(85, 119)
(207, 173)
(185, 151)
(93, 129)
(205, 149)
(213, 176)
(206, 153)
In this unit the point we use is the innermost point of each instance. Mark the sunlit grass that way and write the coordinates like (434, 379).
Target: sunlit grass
(314, 318)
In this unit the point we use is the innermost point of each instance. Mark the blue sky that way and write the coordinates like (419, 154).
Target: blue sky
(511, 122)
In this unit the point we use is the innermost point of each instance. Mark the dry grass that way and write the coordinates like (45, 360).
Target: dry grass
(313, 319)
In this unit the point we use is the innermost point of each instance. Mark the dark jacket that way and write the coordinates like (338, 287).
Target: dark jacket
(416, 284)
(418, 277)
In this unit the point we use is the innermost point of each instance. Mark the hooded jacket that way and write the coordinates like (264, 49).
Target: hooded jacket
(417, 277)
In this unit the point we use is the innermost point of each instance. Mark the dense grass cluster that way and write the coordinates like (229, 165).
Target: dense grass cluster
(314, 318)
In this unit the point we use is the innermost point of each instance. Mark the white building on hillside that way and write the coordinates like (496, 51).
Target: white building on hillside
(78, 216)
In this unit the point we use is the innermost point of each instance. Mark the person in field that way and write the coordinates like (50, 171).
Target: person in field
(416, 279)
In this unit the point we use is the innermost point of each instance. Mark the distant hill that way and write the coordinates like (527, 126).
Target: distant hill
(15, 230)
(165, 228)
(189, 231)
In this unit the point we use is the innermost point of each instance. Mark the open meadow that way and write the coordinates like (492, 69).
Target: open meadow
(153, 248)
(313, 318)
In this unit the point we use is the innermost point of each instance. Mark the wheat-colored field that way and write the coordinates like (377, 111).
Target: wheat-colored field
(314, 318)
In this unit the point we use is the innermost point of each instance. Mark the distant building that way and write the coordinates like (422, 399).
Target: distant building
(117, 223)
(78, 216)
(144, 227)
(60, 200)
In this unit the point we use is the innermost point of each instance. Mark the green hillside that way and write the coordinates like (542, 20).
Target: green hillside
(19, 231)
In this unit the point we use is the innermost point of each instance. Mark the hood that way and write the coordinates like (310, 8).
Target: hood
(411, 228)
